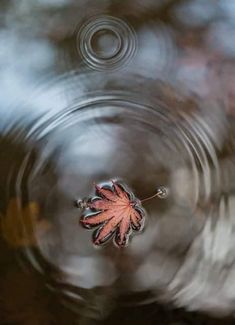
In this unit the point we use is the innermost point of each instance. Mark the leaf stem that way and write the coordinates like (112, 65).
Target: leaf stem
(161, 193)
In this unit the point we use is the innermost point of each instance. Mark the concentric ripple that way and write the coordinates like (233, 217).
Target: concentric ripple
(95, 138)
(106, 43)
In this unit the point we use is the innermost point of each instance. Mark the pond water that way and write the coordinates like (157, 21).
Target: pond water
(141, 91)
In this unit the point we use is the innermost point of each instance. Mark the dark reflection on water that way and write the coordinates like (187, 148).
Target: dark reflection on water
(142, 91)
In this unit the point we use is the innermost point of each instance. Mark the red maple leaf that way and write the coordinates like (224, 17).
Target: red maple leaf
(116, 213)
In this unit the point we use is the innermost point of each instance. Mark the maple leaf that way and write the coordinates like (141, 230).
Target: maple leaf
(18, 226)
(115, 211)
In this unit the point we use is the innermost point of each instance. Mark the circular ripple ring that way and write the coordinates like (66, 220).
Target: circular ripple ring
(106, 43)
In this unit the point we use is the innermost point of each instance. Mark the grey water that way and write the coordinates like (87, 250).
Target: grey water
(141, 91)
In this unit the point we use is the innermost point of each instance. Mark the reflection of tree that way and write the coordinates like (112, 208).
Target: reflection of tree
(12, 153)
(23, 295)
(20, 220)
(23, 299)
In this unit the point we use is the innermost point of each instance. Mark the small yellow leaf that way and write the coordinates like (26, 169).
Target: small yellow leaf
(19, 226)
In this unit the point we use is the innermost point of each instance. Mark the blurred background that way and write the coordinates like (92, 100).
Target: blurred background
(138, 90)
